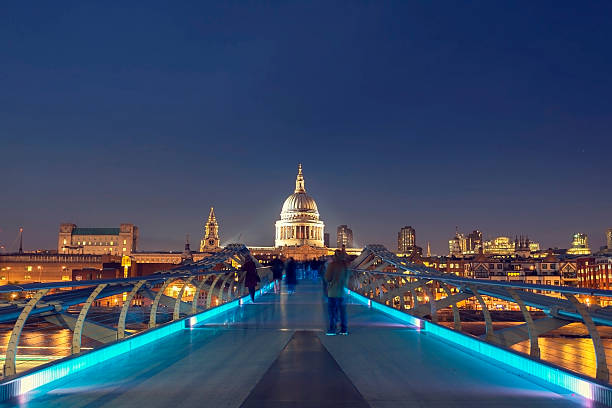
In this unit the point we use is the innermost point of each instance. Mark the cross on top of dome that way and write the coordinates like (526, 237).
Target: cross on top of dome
(299, 181)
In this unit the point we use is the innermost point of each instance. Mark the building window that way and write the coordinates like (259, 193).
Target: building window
(544, 266)
(27, 277)
(553, 266)
(65, 277)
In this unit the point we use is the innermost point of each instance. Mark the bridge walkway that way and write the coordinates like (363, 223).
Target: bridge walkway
(274, 354)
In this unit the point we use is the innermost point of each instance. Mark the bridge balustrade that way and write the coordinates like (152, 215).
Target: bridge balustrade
(41, 323)
(562, 326)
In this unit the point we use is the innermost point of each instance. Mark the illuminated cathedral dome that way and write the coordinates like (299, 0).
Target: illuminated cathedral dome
(299, 223)
(299, 204)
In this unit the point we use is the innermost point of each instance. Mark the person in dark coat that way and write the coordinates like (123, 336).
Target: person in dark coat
(277, 273)
(290, 275)
(252, 278)
(337, 277)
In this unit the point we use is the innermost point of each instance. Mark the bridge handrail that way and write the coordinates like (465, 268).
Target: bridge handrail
(482, 282)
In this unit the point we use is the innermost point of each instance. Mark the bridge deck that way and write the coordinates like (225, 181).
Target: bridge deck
(274, 353)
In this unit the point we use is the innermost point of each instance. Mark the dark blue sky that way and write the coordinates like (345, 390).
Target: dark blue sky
(431, 114)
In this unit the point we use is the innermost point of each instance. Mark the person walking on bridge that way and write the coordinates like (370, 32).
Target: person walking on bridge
(251, 278)
(337, 276)
(277, 272)
(291, 275)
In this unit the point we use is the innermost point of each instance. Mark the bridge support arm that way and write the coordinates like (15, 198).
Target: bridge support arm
(534, 347)
(78, 327)
(153, 315)
(125, 308)
(10, 366)
(490, 335)
(210, 292)
(177, 304)
(432, 302)
(602, 373)
(196, 295)
(228, 278)
(452, 300)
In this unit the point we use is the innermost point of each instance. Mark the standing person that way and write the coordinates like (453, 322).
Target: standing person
(252, 278)
(314, 267)
(337, 276)
(277, 273)
(290, 275)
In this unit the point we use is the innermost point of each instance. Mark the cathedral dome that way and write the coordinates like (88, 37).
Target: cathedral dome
(299, 205)
(299, 222)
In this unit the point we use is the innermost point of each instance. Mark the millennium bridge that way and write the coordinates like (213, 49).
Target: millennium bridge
(190, 337)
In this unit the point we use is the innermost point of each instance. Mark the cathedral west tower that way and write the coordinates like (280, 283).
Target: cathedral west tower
(211, 233)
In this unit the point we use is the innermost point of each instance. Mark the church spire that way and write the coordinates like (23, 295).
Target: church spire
(299, 181)
(187, 248)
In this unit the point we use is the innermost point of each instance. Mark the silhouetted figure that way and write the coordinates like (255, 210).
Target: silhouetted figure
(252, 278)
(291, 275)
(314, 267)
(277, 273)
(337, 276)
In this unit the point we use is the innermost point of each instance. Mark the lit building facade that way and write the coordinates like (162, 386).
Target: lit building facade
(299, 223)
(97, 241)
(457, 245)
(580, 245)
(473, 242)
(50, 267)
(344, 237)
(505, 246)
(595, 271)
(406, 239)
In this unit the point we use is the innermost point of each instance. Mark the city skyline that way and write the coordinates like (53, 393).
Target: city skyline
(497, 119)
(145, 246)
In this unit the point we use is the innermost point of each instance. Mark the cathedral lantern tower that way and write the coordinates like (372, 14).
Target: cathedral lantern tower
(211, 235)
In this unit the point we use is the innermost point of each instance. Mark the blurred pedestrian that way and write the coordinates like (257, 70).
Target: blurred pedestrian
(290, 275)
(251, 278)
(277, 273)
(337, 276)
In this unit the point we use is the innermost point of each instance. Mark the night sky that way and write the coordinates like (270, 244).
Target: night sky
(426, 113)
